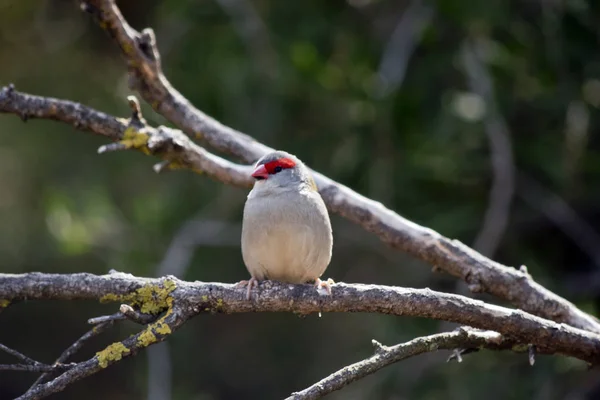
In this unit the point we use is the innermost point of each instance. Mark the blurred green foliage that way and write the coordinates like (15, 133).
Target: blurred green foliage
(302, 76)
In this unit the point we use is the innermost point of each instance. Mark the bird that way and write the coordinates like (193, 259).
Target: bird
(286, 230)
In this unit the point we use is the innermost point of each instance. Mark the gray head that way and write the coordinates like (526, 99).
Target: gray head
(281, 170)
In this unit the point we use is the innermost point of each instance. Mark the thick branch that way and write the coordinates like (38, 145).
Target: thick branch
(196, 297)
(481, 273)
(384, 356)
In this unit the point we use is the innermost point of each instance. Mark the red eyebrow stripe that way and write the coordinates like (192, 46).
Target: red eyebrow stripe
(282, 162)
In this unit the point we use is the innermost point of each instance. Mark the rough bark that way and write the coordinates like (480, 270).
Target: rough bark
(192, 298)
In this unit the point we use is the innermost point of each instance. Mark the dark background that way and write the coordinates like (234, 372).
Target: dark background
(393, 116)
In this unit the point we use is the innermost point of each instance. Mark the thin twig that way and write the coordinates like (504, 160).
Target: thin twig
(154, 333)
(31, 365)
(78, 344)
(36, 368)
(106, 318)
(102, 324)
(385, 356)
(71, 350)
(126, 312)
(17, 354)
(138, 317)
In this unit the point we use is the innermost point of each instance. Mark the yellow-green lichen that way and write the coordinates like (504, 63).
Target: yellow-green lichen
(154, 299)
(148, 335)
(150, 298)
(4, 303)
(146, 338)
(114, 352)
(162, 329)
(136, 139)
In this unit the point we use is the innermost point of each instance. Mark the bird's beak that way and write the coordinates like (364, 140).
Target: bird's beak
(260, 172)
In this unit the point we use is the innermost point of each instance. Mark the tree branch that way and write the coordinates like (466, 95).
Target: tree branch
(169, 144)
(38, 367)
(191, 298)
(29, 364)
(149, 298)
(72, 349)
(384, 356)
(451, 256)
(18, 355)
(154, 333)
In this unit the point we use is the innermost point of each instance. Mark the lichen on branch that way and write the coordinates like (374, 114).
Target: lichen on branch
(149, 299)
(111, 353)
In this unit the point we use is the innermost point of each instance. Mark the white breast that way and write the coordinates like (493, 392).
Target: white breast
(286, 237)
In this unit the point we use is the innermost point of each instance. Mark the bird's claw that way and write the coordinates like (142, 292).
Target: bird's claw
(324, 287)
(251, 282)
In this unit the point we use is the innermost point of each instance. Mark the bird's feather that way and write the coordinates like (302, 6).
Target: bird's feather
(286, 236)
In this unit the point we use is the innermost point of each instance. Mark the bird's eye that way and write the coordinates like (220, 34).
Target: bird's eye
(277, 169)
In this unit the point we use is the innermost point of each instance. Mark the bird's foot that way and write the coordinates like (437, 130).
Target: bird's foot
(324, 287)
(251, 282)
